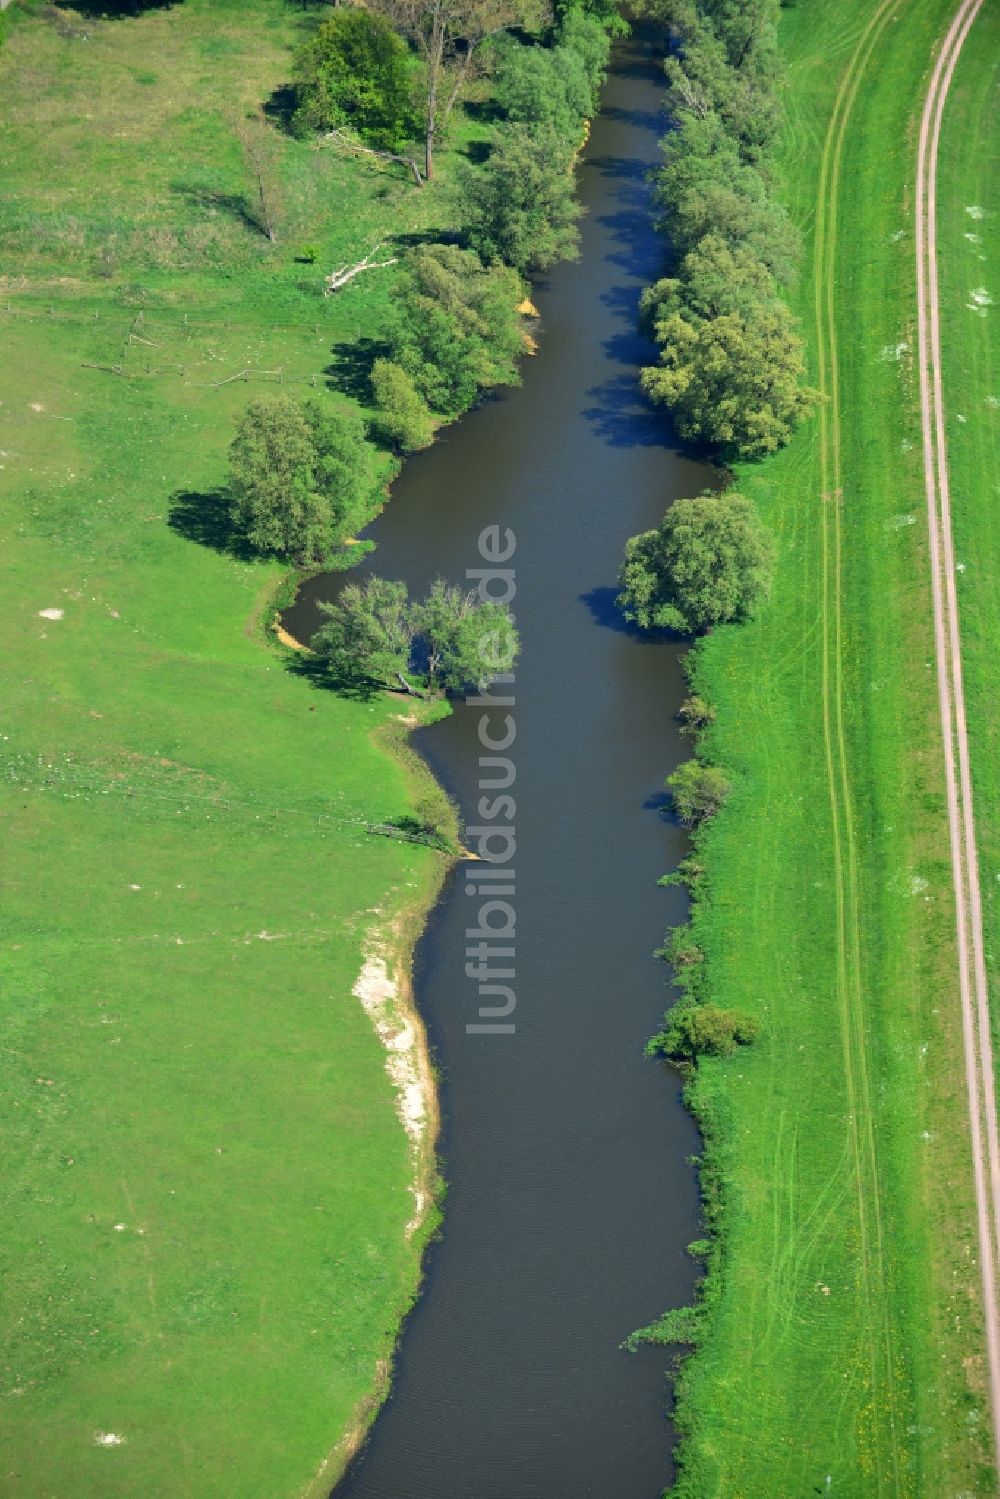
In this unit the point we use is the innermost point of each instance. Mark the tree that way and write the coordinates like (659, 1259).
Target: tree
(733, 381)
(296, 473)
(455, 329)
(448, 35)
(553, 87)
(367, 638)
(698, 791)
(706, 188)
(520, 205)
(702, 77)
(355, 71)
(696, 715)
(467, 640)
(375, 637)
(712, 279)
(401, 417)
(262, 155)
(708, 562)
(695, 1030)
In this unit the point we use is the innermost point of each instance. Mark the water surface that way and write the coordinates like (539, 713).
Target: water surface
(569, 1202)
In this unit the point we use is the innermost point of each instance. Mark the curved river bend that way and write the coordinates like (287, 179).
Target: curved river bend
(569, 1201)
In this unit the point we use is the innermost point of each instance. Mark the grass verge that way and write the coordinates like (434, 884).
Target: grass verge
(842, 1348)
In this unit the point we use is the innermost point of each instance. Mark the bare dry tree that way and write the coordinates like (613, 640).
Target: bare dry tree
(448, 34)
(262, 154)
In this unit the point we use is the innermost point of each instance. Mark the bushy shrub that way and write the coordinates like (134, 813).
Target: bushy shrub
(698, 791)
(697, 1030)
(519, 207)
(708, 562)
(355, 71)
(297, 476)
(402, 420)
(455, 329)
(374, 636)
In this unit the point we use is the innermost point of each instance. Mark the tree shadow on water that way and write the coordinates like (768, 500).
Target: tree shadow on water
(603, 605)
(622, 416)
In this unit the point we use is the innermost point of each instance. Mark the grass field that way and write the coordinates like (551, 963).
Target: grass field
(969, 256)
(843, 1354)
(205, 1180)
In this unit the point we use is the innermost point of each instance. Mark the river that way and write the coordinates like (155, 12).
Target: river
(570, 1200)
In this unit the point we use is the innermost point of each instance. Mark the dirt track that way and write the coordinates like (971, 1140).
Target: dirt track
(947, 639)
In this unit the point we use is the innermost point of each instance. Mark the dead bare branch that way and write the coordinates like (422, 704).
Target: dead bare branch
(343, 142)
(340, 277)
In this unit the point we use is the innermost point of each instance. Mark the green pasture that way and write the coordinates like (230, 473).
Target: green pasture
(205, 1181)
(843, 1353)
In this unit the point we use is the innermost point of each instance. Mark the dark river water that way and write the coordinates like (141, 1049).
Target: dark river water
(569, 1199)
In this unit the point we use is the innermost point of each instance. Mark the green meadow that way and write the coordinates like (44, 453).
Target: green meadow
(843, 1350)
(206, 1183)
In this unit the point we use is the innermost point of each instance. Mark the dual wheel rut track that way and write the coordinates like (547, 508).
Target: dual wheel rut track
(884, 1439)
(973, 989)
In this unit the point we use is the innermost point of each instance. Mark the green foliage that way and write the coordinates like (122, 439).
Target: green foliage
(367, 637)
(520, 207)
(708, 562)
(705, 187)
(731, 357)
(684, 1324)
(455, 329)
(583, 31)
(732, 73)
(467, 640)
(402, 419)
(695, 714)
(732, 381)
(703, 1030)
(543, 86)
(554, 87)
(712, 279)
(297, 473)
(355, 71)
(604, 14)
(698, 791)
(451, 639)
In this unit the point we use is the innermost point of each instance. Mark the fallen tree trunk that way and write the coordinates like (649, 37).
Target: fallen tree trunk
(340, 277)
(342, 142)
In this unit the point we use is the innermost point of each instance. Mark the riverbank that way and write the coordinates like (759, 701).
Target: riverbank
(842, 1342)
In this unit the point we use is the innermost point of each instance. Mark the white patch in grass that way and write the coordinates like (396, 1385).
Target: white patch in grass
(108, 1439)
(51, 613)
(893, 353)
(975, 212)
(900, 522)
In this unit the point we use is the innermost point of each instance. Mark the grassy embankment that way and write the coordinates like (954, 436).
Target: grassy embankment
(969, 261)
(843, 1346)
(205, 1179)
